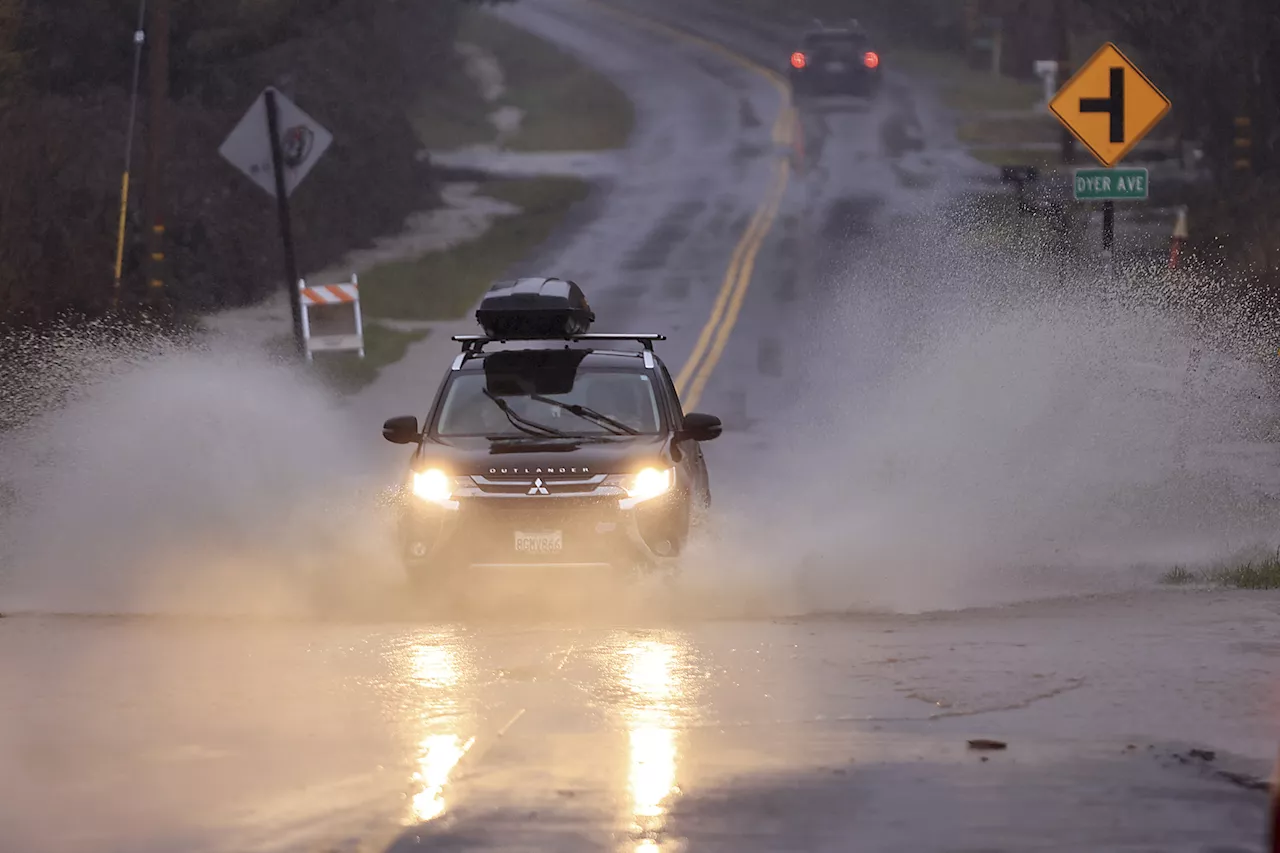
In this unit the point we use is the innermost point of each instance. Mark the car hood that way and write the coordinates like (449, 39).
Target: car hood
(535, 456)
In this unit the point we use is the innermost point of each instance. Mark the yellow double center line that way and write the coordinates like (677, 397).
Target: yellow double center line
(733, 291)
(693, 377)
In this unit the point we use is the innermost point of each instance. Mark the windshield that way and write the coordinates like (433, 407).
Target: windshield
(472, 408)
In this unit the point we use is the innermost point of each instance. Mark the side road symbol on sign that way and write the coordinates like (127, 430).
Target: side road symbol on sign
(1109, 105)
(1112, 105)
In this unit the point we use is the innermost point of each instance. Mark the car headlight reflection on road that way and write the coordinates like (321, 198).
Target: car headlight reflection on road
(648, 484)
(432, 485)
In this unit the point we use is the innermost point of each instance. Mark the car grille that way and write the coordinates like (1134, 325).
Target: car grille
(536, 486)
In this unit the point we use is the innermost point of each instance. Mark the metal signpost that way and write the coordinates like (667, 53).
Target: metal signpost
(276, 145)
(1109, 105)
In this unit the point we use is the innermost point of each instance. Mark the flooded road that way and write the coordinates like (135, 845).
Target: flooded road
(892, 457)
(651, 734)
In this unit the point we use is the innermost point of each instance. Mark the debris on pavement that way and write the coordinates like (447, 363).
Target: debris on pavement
(985, 743)
(1244, 780)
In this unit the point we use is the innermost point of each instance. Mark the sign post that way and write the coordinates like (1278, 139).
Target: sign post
(1109, 105)
(276, 145)
(282, 213)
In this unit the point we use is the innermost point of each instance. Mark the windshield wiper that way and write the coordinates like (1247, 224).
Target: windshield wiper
(520, 423)
(614, 426)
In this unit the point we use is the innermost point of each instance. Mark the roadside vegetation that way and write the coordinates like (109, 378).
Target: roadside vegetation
(553, 101)
(65, 74)
(1262, 572)
(386, 79)
(401, 299)
(347, 372)
(443, 285)
(509, 89)
(1210, 64)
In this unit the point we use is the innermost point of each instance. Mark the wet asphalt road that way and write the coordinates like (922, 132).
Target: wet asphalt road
(643, 723)
(661, 735)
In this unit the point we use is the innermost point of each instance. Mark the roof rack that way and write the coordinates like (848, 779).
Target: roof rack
(473, 344)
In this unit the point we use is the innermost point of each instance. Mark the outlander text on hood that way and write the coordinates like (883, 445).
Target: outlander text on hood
(550, 447)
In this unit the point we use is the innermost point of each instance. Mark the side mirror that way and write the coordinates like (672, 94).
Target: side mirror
(401, 430)
(700, 427)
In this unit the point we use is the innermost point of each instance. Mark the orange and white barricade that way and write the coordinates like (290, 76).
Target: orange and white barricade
(331, 320)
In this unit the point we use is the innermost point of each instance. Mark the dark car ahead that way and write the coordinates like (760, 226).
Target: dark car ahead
(567, 450)
(835, 61)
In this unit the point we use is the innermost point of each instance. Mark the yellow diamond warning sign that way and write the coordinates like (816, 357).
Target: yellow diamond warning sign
(1109, 105)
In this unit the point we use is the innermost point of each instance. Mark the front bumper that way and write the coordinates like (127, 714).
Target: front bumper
(602, 529)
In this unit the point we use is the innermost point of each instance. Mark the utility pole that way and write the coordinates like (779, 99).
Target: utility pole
(159, 138)
(139, 39)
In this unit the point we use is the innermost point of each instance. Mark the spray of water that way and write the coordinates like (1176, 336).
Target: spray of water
(977, 432)
(174, 476)
(971, 431)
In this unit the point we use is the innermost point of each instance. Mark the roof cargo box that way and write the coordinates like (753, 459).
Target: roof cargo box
(534, 308)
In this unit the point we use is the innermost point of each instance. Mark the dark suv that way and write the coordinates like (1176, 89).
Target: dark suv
(835, 61)
(568, 450)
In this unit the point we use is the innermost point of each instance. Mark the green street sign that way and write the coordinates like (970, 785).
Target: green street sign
(1111, 184)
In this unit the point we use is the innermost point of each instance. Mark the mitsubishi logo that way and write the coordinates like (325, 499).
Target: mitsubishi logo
(538, 488)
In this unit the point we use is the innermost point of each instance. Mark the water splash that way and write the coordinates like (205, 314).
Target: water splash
(172, 475)
(978, 430)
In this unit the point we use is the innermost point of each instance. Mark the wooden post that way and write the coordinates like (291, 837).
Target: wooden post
(158, 144)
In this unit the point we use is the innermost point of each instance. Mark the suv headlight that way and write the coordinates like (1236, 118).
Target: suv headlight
(432, 485)
(648, 483)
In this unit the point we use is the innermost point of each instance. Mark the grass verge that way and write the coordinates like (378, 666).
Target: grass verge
(965, 89)
(444, 285)
(566, 106)
(1018, 157)
(346, 372)
(1035, 128)
(1260, 573)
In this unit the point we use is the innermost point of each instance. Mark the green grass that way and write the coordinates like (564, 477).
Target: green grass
(444, 285)
(1179, 576)
(1258, 573)
(965, 89)
(452, 115)
(1033, 128)
(567, 106)
(1017, 157)
(347, 372)
(1007, 130)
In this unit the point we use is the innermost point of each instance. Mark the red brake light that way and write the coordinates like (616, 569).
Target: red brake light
(797, 60)
(871, 60)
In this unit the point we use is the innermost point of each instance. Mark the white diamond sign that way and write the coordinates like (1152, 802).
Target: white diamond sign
(302, 141)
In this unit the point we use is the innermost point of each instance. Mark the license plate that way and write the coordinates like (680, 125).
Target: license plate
(835, 66)
(548, 542)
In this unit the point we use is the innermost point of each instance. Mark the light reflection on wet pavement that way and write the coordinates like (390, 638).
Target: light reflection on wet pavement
(633, 730)
(790, 734)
